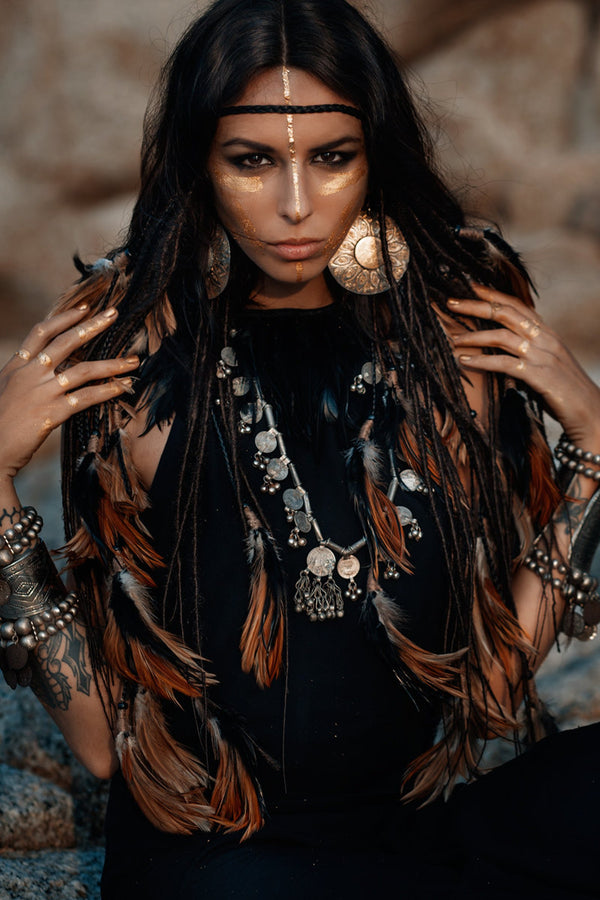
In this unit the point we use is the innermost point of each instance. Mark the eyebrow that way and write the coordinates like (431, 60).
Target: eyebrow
(265, 148)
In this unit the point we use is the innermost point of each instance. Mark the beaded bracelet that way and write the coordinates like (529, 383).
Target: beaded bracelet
(20, 636)
(582, 615)
(34, 604)
(576, 459)
(20, 536)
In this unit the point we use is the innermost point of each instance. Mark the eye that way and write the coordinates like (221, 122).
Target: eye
(252, 161)
(333, 158)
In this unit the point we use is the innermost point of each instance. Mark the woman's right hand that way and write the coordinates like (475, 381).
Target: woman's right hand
(35, 398)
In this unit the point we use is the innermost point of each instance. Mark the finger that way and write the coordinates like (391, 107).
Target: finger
(45, 331)
(515, 316)
(95, 370)
(67, 342)
(84, 398)
(525, 370)
(499, 338)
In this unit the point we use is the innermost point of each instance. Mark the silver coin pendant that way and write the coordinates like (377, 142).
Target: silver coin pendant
(320, 561)
(348, 567)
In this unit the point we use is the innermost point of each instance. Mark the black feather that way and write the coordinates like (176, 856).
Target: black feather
(514, 431)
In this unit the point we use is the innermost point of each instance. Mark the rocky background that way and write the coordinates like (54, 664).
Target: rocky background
(512, 91)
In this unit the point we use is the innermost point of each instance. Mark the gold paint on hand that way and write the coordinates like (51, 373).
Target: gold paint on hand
(62, 379)
(22, 353)
(44, 359)
(72, 400)
(524, 347)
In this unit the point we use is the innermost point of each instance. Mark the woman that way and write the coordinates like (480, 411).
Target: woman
(310, 510)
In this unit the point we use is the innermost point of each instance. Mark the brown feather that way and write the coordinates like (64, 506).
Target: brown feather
(167, 782)
(437, 671)
(234, 798)
(260, 654)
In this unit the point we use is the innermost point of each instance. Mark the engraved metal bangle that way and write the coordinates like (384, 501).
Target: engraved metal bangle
(29, 584)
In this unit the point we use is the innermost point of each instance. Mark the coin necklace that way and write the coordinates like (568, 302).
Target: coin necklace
(316, 592)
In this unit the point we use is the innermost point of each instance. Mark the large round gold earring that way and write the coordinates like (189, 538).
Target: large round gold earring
(358, 264)
(219, 262)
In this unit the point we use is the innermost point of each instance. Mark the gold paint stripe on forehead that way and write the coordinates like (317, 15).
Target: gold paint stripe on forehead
(343, 180)
(250, 184)
(287, 96)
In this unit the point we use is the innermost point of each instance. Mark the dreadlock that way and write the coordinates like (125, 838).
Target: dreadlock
(155, 279)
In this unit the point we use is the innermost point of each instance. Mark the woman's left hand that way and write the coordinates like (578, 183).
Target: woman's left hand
(530, 352)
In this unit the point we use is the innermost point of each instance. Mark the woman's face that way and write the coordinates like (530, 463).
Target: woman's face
(288, 187)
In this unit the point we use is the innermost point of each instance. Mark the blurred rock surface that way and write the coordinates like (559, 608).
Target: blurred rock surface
(515, 107)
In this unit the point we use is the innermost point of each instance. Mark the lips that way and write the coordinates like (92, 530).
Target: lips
(297, 249)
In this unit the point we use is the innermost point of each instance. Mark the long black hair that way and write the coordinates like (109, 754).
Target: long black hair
(157, 277)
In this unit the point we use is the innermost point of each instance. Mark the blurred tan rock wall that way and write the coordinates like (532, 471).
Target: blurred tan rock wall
(516, 108)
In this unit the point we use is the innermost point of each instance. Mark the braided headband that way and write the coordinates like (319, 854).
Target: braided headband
(288, 110)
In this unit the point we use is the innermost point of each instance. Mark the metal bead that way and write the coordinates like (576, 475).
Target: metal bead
(68, 617)
(60, 624)
(29, 642)
(22, 626)
(17, 548)
(51, 630)
(42, 636)
(7, 631)
(37, 621)
(64, 606)
(10, 534)
(47, 616)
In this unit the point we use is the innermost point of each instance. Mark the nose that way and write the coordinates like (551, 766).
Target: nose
(295, 203)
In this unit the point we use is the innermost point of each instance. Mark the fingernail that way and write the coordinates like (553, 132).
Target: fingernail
(453, 302)
(132, 360)
(82, 307)
(110, 313)
(464, 358)
(126, 382)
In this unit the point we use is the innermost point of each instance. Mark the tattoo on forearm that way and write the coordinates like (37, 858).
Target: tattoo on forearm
(9, 517)
(570, 513)
(54, 665)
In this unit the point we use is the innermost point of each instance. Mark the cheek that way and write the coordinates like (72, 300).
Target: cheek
(342, 181)
(240, 213)
(346, 211)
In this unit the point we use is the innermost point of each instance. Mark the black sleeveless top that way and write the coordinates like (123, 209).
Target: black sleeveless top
(337, 728)
(337, 709)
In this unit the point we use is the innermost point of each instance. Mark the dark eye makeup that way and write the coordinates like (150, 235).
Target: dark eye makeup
(332, 159)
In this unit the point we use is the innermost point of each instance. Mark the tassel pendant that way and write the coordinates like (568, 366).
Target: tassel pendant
(317, 593)
(319, 599)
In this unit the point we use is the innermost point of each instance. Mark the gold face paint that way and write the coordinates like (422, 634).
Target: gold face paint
(342, 180)
(248, 184)
(337, 236)
(287, 96)
(299, 271)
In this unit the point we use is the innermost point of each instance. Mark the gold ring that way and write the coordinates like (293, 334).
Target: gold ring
(62, 379)
(22, 353)
(524, 347)
(44, 359)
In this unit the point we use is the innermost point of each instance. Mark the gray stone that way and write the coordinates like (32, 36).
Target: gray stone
(34, 813)
(65, 875)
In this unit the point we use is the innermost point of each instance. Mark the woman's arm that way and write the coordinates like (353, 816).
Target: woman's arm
(532, 353)
(37, 394)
